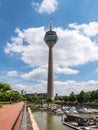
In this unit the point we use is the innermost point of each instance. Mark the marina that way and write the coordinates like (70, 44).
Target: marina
(67, 118)
(47, 121)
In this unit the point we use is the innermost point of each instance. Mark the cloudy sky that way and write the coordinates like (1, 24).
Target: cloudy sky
(24, 54)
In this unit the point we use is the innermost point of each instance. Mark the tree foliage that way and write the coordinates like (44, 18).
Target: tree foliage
(82, 97)
(73, 97)
(7, 94)
(4, 87)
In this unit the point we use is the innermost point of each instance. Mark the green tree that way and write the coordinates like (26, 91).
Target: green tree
(66, 98)
(87, 96)
(96, 94)
(80, 97)
(49, 100)
(4, 87)
(14, 96)
(93, 95)
(73, 97)
(7, 94)
(36, 98)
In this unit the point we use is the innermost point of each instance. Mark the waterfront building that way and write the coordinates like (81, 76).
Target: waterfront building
(50, 39)
(43, 95)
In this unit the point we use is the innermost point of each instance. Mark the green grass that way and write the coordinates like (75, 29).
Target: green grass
(4, 103)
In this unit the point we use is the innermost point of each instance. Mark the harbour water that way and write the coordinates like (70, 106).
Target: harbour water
(47, 121)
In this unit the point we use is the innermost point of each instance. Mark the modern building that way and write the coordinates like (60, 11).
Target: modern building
(43, 95)
(23, 92)
(50, 39)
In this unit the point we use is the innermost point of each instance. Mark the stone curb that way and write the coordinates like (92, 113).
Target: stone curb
(34, 124)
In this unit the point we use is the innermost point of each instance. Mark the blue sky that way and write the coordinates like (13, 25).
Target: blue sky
(24, 54)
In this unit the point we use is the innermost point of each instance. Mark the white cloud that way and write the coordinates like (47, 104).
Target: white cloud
(73, 48)
(67, 71)
(62, 88)
(40, 73)
(90, 29)
(12, 73)
(36, 74)
(46, 6)
(26, 88)
(29, 43)
(65, 88)
(97, 70)
(35, 88)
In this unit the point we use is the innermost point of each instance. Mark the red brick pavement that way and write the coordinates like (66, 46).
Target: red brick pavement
(9, 114)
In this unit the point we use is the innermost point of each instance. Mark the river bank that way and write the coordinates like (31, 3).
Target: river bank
(33, 122)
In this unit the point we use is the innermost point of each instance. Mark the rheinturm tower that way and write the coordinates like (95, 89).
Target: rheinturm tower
(50, 39)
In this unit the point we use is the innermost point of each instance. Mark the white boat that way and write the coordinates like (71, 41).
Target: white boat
(71, 110)
(73, 123)
(84, 128)
(84, 110)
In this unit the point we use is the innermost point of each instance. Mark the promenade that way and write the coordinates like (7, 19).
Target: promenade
(9, 114)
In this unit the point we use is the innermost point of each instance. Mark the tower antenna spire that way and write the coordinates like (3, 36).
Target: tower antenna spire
(50, 23)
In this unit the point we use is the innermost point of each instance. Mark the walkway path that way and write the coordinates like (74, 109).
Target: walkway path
(24, 119)
(9, 114)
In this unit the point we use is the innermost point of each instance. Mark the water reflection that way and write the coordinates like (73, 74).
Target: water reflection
(46, 121)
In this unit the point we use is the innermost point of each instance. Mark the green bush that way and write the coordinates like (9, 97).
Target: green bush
(0, 105)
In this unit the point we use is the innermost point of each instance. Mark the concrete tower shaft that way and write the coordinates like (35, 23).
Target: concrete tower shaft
(50, 88)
